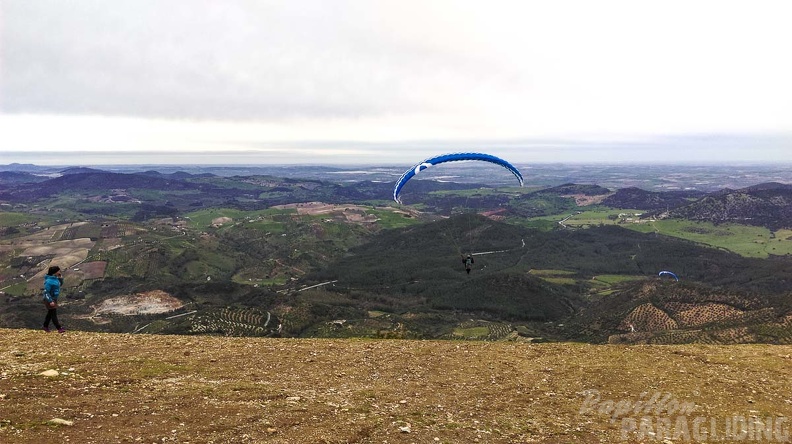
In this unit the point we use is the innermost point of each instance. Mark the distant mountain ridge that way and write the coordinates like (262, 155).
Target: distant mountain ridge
(768, 205)
(18, 177)
(633, 197)
(574, 188)
(81, 170)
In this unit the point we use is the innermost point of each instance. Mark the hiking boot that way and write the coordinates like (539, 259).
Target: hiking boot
(61, 330)
(46, 329)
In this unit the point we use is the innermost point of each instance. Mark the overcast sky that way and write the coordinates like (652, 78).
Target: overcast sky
(376, 81)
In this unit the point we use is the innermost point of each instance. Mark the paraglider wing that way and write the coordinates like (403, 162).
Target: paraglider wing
(452, 157)
(668, 273)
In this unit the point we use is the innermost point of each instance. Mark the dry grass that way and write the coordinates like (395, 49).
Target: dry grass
(192, 389)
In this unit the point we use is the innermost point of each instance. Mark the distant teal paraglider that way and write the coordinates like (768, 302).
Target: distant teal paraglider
(668, 273)
(452, 157)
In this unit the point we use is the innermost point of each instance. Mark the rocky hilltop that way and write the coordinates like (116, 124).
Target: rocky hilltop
(768, 205)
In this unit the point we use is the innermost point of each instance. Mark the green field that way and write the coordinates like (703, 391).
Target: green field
(391, 219)
(745, 240)
(203, 218)
(543, 273)
(600, 216)
(611, 279)
(560, 277)
(8, 219)
(16, 289)
(269, 226)
(567, 277)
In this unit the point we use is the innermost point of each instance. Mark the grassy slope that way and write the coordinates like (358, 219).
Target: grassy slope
(745, 240)
(148, 388)
(10, 219)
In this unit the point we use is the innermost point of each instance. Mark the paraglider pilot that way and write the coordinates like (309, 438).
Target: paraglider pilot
(468, 261)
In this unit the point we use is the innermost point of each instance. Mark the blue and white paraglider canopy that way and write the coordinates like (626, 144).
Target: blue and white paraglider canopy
(452, 157)
(668, 273)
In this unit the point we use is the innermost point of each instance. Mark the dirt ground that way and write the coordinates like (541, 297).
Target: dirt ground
(150, 302)
(583, 200)
(314, 208)
(112, 388)
(218, 221)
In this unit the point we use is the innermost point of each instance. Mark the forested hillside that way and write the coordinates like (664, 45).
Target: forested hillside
(767, 205)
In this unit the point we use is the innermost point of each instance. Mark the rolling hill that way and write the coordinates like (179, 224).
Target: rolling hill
(634, 197)
(768, 205)
(268, 256)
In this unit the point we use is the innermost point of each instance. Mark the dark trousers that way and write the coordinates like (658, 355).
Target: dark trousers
(52, 315)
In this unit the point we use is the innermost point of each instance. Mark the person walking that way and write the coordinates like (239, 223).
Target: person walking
(52, 286)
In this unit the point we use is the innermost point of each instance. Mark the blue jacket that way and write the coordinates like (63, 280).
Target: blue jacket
(52, 286)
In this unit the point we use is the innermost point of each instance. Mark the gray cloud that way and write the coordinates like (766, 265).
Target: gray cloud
(354, 80)
(218, 60)
(662, 150)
